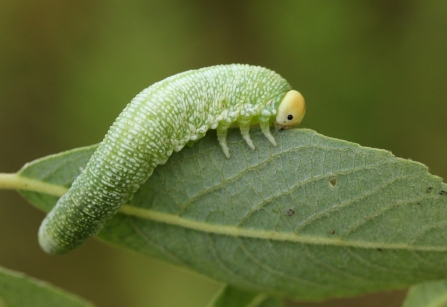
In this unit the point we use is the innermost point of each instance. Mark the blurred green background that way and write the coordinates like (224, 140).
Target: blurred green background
(373, 72)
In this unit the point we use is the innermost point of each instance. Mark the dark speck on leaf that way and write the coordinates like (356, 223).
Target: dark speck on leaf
(429, 189)
(443, 192)
(332, 232)
(290, 212)
(379, 249)
(333, 181)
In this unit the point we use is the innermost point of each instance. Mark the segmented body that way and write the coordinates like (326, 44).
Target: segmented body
(159, 120)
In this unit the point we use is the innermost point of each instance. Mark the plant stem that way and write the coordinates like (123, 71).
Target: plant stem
(16, 182)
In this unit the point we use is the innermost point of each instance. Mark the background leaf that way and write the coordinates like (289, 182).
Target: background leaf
(19, 290)
(427, 294)
(312, 218)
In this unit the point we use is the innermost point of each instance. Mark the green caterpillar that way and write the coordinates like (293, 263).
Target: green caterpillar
(161, 119)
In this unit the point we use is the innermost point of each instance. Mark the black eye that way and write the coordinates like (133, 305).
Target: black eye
(290, 117)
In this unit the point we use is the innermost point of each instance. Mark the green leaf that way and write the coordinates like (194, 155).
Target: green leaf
(234, 297)
(428, 294)
(310, 219)
(19, 290)
(59, 169)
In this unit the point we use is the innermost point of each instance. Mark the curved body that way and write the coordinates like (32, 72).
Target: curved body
(159, 120)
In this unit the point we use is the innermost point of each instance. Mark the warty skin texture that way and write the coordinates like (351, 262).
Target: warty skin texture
(159, 120)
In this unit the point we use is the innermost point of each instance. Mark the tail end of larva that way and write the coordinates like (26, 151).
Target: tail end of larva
(55, 241)
(59, 232)
(47, 240)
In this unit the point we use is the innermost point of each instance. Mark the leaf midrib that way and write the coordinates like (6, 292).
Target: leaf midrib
(228, 230)
(235, 231)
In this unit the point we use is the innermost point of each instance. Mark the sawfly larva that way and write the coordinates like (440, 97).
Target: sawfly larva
(161, 119)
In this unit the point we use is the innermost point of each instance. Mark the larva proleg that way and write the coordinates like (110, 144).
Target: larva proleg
(161, 119)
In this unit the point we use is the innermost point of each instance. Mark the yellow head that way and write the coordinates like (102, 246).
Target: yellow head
(291, 110)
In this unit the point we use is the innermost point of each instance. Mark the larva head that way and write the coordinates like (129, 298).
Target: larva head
(291, 110)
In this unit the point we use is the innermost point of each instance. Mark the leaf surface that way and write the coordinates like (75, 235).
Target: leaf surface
(313, 218)
(19, 290)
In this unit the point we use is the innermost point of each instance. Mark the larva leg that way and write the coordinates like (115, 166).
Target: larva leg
(265, 127)
(222, 138)
(191, 143)
(245, 128)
